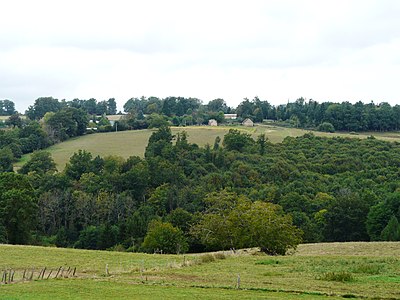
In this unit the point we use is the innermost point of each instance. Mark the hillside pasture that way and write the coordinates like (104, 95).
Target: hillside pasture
(315, 271)
(130, 143)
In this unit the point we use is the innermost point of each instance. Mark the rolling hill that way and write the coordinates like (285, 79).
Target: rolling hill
(130, 143)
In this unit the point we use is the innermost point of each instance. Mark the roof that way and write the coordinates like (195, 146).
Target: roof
(114, 117)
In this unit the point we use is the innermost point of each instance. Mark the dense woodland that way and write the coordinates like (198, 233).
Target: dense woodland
(237, 193)
(332, 189)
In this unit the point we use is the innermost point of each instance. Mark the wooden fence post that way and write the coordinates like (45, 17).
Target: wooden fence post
(5, 276)
(40, 273)
(66, 275)
(44, 271)
(48, 276)
(58, 271)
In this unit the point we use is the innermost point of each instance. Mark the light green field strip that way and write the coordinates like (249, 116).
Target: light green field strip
(131, 143)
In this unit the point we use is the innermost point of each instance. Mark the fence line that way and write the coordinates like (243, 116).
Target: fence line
(9, 276)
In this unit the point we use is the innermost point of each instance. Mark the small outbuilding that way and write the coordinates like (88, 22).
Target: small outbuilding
(247, 122)
(212, 122)
(230, 116)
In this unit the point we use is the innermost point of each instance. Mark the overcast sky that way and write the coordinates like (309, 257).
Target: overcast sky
(342, 50)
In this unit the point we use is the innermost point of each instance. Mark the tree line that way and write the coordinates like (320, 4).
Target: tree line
(44, 105)
(181, 111)
(238, 192)
(325, 116)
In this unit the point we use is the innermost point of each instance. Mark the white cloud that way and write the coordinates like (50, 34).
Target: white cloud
(278, 50)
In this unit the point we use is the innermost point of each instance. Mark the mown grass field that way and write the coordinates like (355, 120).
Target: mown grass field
(373, 268)
(129, 143)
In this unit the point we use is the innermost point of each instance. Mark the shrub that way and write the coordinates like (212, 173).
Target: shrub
(117, 248)
(165, 237)
(326, 127)
(219, 255)
(207, 258)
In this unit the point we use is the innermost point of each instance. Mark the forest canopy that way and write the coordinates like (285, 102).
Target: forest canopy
(318, 189)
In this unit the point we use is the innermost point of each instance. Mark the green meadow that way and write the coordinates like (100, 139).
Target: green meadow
(129, 143)
(314, 271)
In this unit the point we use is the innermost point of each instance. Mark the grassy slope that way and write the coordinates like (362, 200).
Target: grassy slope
(128, 143)
(375, 267)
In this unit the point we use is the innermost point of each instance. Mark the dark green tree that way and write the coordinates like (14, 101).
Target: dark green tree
(392, 230)
(262, 144)
(79, 163)
(14, 121)
(18, 207)
(90, 106)
(235, 140)
(181, 219)
(346, 218)
(68, 122)
(160, 143)
(101, 108)
(7, 108)
(42, 106)
(377, 219)
(88, 238)
(111, 106)
(6, 160)
(217, 105)
(40, 162)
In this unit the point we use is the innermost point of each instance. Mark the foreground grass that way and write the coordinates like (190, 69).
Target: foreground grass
(129, 143)
(372, 271)
(102, 289)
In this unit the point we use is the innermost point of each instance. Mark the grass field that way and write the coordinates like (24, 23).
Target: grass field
(3, 118)
(129, 143)
(372, 271)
